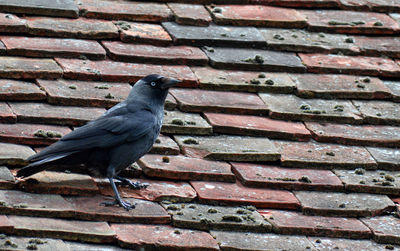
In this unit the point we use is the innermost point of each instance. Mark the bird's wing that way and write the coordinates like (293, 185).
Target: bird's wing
(104, 132)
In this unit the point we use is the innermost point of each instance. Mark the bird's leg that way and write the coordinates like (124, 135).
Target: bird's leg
(118, 199)
(133, 185)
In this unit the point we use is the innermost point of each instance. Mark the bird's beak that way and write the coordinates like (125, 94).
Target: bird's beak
(168, 82)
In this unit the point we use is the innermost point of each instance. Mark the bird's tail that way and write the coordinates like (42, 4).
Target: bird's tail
(39, 165)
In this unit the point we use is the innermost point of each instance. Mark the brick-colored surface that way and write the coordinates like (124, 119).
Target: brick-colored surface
(6, 114)
(257, 15)
(184, 55)
(5, 224)
(387, 158)
(347, 244)
(193, 100)
(386, 229)
(11, 23)
(236, 193)
(144, 33)
(7, 180)
(343, 204)
(125, 10)
(19, 67)
(63, 8)
(84, 93)
(184, 168)
(13, 154)
(285, 222)
(73, 28)
(388, 136)
(48, 114)
(165, 145)
(20, 90)
(377, 46)
(379, 112)
(152, 237)
(286, 178)
(177, 122)
(230, 148)
(325, 156)
(257, 126)
(53, 47)
(357, 65)
(394, 87)
(190, 14)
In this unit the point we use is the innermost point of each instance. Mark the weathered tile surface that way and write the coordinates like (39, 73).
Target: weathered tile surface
(214, 35)
(236, 193)
(79, 246)
(152, 237)
(74, 28)
(386, 229)
(205, 217)
(165, 145)
(19, 67)
(378, 46)
(6, 114)
(303, 3)
(13, 154)
(339, 86)
(144, 33)
(60, 8)
(260, 241)
(5, 224)
(125, 10)
(226, 80)
(233, 148)
(347, 244)
(379, 112)
(249, 59)
(190, 14)
(176, 122)
(143, 53)
(64, 229)
(343, 204)
(52, 47)
(291, 107)
(7, 179)
(30, 243)
(394, 88)
(84, 93)
(195, 100)
(20, 90)
(292, 223)
(257, 126)
(325, 156)
(11, 23)
(49, 114)
(286, 178)
(387, 158)
(257, 15)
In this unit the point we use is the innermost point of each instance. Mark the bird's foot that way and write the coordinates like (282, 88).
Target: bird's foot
(128, 206)
(131, 184)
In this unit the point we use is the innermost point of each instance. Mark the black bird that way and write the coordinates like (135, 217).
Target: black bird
(115, 140)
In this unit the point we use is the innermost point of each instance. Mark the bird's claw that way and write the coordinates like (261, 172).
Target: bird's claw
(134, 185)
(126, 205)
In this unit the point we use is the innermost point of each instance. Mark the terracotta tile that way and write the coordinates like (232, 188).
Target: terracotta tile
(255, 60)
(339, 86)
(156, 191)
(215, 35)
(361, 5)
(6, 114)
(346, 244)
(371, 5)
(257, 126)
(19, 67)
(229, 148)
(90, 231)
(13, 154)
(142, 53)
(90, 208)
(176, 122)
(148, 237)
(379, 112)
(49, 114)
(11, 23)
(20, 90)
(185, 168)
(260, 241)
(170, 103)
(20, 243)
(257, 15)
(165, 145)
(386, 229)
(357, 65)
(324, 156)
(381, 182)
(304, 41)
(291, 107)
(53, 47)
(245, 81)
(122, 72)
(190, 14)
(235, 193)
(286, 178)
(30, 134)
(394, 88)
(378, 46)
(30, 204)
(388, 136)
(144, 33)
(302, 3)
(74, 28)
(5, 224)
(2, 48)
(79, 246)
(205, 217)
(195, 100)
(60, 183)
(350, 22)
(292, 223)
(387, 158)
(7, 180)
(84, 93)
(63, 8)
(343, 204)
(124, 10)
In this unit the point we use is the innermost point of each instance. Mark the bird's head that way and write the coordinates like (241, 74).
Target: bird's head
(153, 85)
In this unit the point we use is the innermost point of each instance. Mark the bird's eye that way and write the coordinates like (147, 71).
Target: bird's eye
(153, 84)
